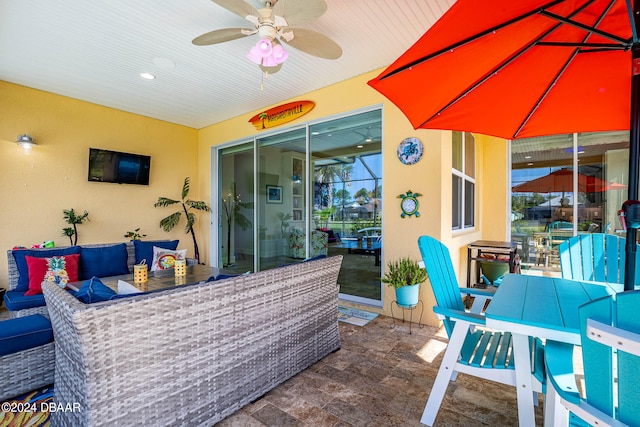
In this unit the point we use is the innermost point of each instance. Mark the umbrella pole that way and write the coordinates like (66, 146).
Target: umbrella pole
(634, 159)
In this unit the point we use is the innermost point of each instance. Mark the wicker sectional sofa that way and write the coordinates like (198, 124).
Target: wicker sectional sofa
(127, 253)
(191, 355)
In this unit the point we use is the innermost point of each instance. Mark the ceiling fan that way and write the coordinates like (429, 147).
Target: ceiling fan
(274, 23)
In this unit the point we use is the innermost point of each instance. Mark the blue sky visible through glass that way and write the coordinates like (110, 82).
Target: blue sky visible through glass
(360, 176)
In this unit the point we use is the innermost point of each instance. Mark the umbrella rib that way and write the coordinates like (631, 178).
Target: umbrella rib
(600, 46)
(590, 29)
(497, 69)
(469, 39)
(632, 21)
(561, 72)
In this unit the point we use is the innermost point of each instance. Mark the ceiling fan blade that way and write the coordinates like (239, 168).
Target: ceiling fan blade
(220, 36)
(297, 12)
(312, 42)
(239, 7)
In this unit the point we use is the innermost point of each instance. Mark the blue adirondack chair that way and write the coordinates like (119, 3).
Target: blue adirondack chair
(595, 257)
(474, 351)
(610, 343)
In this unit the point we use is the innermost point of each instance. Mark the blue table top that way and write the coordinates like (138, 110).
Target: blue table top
(354, 244)
(534, 304)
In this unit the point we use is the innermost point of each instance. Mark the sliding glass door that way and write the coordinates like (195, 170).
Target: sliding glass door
(303, 192)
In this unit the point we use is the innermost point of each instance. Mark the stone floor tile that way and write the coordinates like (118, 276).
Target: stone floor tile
(382, 376)
(270, 415)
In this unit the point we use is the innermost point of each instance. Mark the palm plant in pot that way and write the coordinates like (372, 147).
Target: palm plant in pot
(405, 275)
(187, 205)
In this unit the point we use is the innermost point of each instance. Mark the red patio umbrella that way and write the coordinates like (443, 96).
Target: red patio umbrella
(525, 68)
(562, 180)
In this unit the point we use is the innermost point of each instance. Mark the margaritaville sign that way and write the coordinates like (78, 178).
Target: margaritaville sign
(281, 114)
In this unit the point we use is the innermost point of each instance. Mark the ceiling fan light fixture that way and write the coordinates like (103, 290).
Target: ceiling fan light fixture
(264, 47)
(254, 55)
(269, 61)
(278, 54)
(267, 53)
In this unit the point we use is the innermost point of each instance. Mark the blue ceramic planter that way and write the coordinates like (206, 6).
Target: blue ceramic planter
(407, 296)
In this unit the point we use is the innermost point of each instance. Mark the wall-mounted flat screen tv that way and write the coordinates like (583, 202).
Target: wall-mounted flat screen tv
(122, 168)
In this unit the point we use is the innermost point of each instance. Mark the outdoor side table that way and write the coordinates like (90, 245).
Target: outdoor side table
(476, 249)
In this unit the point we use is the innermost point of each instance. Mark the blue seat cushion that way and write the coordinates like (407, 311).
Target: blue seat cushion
(16, 300)
(144, 248)
(103, 261)
(93, 290)
(221, 277)
(24, 333)
(21, 262)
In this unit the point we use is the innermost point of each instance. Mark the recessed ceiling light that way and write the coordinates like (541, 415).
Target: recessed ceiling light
(527, 157)
(315, 132)
(359, 146)
(164, 63)
(529, 164)
(147, 76)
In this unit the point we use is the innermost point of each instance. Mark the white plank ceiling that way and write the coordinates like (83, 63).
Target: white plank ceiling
(95, 50)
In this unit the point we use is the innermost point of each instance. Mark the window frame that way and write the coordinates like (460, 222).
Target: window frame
(461, 196)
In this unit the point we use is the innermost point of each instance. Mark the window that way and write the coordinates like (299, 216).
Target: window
(545, 204)
(463, 186)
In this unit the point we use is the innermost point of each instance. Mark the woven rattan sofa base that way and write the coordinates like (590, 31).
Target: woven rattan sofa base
(26, 370)
(192, 355)
(14, 314)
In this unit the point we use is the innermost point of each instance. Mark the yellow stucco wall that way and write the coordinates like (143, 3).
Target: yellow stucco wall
(493, 196)
(431, 176)
(37, 186)
(53, 177)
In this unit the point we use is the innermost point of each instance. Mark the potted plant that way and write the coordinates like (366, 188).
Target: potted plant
(187, 205)
(232, 205)
(73, 219)
(405, 275)
(134, 235)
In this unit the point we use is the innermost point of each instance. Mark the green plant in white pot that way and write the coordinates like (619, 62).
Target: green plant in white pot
(405, 275)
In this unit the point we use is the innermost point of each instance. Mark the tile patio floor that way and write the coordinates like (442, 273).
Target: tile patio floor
(381, 377)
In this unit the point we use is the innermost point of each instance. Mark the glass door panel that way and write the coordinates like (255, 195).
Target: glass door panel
(347, 204)
(236, 208)
(282, 231)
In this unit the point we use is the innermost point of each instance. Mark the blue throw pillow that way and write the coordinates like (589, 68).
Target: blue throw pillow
(93, 290)
(21, 262)
(144, 249)
(103, 261)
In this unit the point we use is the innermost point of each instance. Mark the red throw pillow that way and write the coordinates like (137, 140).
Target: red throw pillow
(57, 269)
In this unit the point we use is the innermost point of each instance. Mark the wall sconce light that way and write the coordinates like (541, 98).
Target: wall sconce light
(25, 141)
